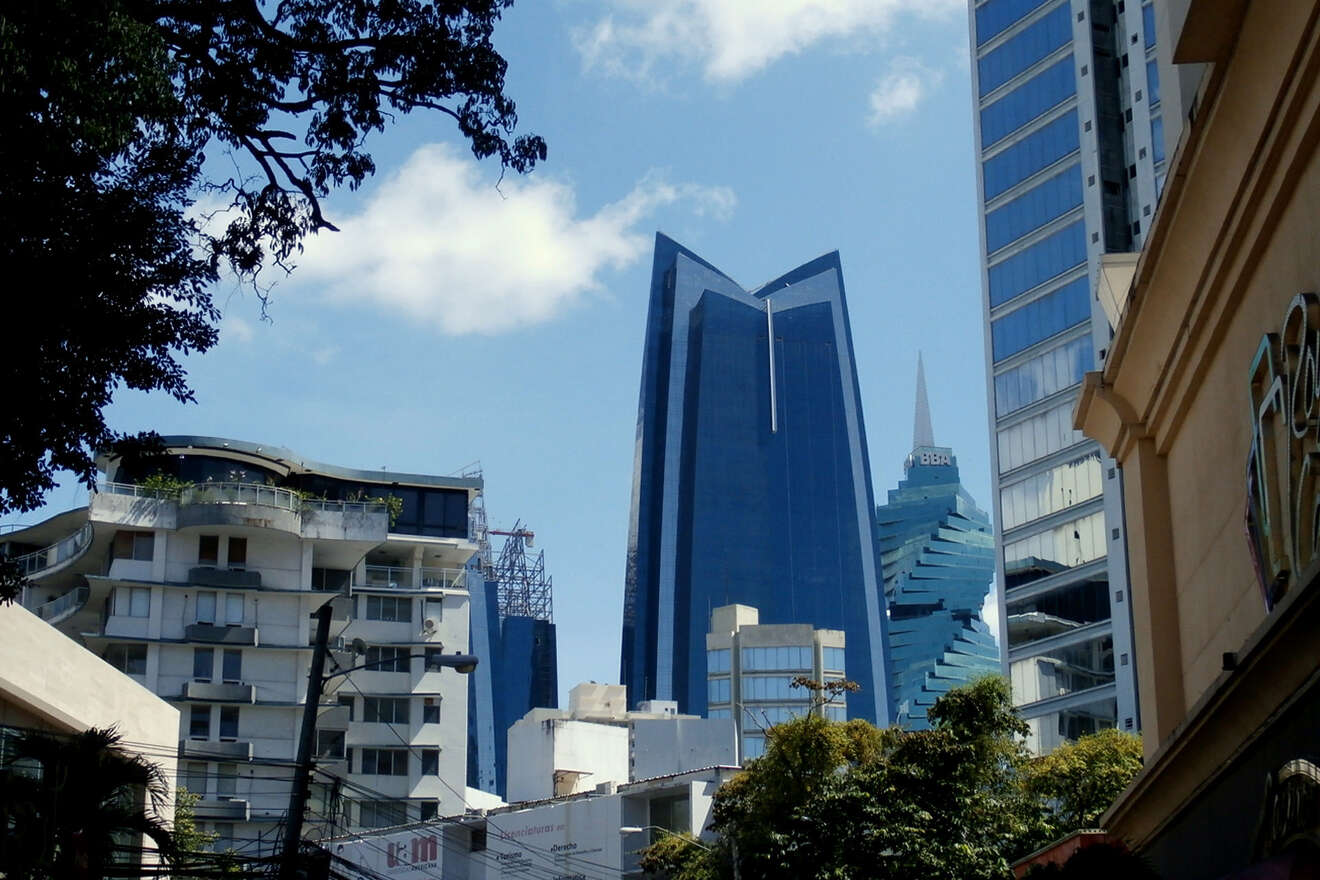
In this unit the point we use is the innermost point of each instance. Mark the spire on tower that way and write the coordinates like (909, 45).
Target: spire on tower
(922, 433)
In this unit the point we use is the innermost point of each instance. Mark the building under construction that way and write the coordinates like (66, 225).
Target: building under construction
(513, 631)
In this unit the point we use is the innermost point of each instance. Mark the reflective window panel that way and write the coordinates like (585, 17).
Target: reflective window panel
(1046, 259)
(1039, 319)
(1043, 375)
(995, 16)
(1049, 88)
(1078, 604)
(1040, 149)
(1037, 437)
(1063, 671)
(1053, 490)
(1024, 49)
(1037, 206)
(1153, 81)
(1063, 546)
(781, 657)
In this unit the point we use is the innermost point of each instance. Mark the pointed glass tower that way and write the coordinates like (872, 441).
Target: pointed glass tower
(751, 481)
(938, 558)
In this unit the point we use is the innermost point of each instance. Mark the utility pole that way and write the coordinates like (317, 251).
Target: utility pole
(302, 771)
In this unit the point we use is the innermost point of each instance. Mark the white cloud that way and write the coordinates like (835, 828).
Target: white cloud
(440, 244)
(733, 39)
(901, 90)
(236, 328)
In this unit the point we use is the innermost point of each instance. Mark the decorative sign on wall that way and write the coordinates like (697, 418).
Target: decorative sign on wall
(1281, 517)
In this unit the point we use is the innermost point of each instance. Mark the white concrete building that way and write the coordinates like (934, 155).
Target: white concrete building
(206, 594)
(750, 668)
(596, 740)
(597, 833)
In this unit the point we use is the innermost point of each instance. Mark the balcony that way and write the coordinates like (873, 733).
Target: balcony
(222, 810)
(224, 692)
(209, 576)
(205, 750)
(63, 607)
(254, 505)
(388, 577)
(55, 556)
(221, 635)
(333, 716)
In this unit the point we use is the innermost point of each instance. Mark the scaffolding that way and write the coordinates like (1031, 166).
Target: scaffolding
(524, 589)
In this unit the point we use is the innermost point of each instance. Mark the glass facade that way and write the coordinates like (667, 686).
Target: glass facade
(1066, 176)
(937, 549)
(751, 481)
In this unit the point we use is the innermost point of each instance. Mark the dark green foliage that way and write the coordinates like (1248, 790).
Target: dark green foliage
(106, 107)
(1081, 779)
(70, 804)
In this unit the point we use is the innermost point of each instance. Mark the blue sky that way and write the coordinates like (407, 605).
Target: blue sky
(450, 322)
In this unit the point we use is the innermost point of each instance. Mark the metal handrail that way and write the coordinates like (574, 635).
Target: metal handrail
(62, 550)
(345, 506)
(106, 487)
(75, 598)
(241, 493)
(402, 578)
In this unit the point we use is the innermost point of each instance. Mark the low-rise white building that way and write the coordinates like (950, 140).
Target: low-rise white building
(596, 740)
(198, 574)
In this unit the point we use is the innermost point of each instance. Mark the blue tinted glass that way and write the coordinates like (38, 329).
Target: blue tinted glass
(1037, 150)
(1037, 264)
(1024, 49)
(1157, 138)
(995, 16)
(1040, 319)
(1043, 375)
(717, 690)
(1148, 22)
(1153, 81)
(1037, 206)
(1047, 89)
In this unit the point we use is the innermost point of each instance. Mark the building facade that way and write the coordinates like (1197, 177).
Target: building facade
(751, 669)
(937, 554)
(751, 480)
(1070, 161)
(198, 573)
(1209, 401)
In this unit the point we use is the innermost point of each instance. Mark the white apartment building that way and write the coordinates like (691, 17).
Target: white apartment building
(751, 666)
(198, 574)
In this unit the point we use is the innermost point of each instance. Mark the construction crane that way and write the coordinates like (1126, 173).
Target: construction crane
(524, 589)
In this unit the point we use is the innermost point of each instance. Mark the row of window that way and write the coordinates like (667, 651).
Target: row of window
(1053, 490)
(1020, 52)
(1043, 375)
(796, 657)
(141, 547)
(389, 710)
(1048, 258)
(1049, 88)
(1039, 205)
(1041, 318)
(394, 762)
(1041, 435)
(1042, 148)
(198, 778)
(199, 722)
(231, 664)
(1064, 546)
(995, 16)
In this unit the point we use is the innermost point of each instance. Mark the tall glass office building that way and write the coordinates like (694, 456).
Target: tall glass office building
(1070, 151)
(938, 558)
(751, 482)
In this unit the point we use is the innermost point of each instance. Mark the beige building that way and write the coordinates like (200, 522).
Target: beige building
(1209, 400)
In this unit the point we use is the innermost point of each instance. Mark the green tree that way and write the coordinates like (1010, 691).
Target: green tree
(109, 109)
(74, 805)
(1080, 780)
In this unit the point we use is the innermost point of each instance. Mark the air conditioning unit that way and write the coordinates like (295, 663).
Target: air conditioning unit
(429, 625)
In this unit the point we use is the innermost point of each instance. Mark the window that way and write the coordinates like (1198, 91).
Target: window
(203, 663)
(389, 608)
(432, 659)
(782, 657)
(199, 722)
(997, 16)
(430, 762)
(434, 610)
(233, 609)
(128, 659)
(330, 744)
(1043, 260)
(238, 553)
(1038, 150)
(1041, 318)
(753, 747)
(719, 713)
(771, 687)
(205, 607)
(430, 809)
(1148, 23)
(1047, 373)
(232, 666)
(381, 814)
(431, 714)
(833, 658)
(1157, 139)
(1153, 81)
(381, 659)
(385, 762)
(1024, 49)
(208, 550)
(1036, 207)
(1047, 89)
(135, 545)
(718, 660)
(348, 701)
(717, 690)
(194, 778)
(385, 710)
(226, 781)
(228, 722)
(133, 601)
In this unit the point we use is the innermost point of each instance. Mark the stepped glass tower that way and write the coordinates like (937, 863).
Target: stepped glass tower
(1071, 157)
(938, 557)
(751, 481)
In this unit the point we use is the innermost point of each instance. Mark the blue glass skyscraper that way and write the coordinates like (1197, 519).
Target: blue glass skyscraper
(937, 550)
(1070, 147)
(751, 480)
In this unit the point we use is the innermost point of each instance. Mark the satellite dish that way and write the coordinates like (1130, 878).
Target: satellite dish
(358, 646)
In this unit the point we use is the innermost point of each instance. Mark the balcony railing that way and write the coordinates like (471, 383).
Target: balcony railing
(135, 491)
(241, 493)
(59, 607)
(61, 551)
(391, 577)
(345, 506)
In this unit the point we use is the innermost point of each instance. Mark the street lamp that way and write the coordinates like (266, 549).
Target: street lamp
(316, 678)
